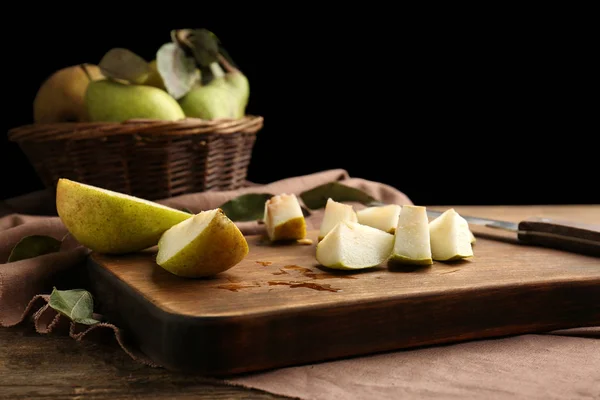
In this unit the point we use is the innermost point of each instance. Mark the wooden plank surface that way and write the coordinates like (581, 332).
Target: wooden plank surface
(53, 366)
(269, 310)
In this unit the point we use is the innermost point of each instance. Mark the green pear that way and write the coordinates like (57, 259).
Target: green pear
(204, 245)
(211, 101)
(240, 88)
(108, 100)
(110, 222)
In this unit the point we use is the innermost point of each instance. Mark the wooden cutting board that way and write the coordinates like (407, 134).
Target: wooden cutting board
(278, 307)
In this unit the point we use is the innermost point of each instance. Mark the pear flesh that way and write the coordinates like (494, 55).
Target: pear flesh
(204, 245)
(110, 222)
(411, 238)
(284, 219)
(380, 217)
(111, 101)
(335, 212)
(350, 246)
(448, 237)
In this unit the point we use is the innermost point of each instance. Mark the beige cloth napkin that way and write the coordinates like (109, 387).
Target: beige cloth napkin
(528, 366)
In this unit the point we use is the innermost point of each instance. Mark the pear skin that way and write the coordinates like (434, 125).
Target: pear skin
(111, 222)
(61, 97)
(111, 101)
(213, 101)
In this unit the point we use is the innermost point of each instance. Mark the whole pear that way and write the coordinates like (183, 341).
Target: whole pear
(240, 87)
(60, 98)
(110, 222)
(211, 101)
(154, 78)
(113, 101)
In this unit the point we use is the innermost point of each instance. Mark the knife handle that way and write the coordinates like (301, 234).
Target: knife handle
(562, 235)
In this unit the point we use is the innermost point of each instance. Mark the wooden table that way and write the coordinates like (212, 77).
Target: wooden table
(55, 366)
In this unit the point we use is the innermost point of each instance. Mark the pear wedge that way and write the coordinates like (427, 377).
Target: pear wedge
(350, 245)
(284, 219)
(448, 237)
(110, 222)
(335, 212)
(204, 245)
(465, 225)
(380, 217)
(411, 238)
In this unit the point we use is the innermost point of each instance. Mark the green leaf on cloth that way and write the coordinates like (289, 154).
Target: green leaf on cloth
(316, 197)
(34, 246)
(247, 207)
(77, 304)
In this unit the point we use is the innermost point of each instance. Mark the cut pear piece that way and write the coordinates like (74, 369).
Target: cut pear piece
(284, 219)
(335, 212)
(110, 222)
(384, 218)
(465, 225)
(350, 245)
(411, 239)
(204, 245)
(448, 237)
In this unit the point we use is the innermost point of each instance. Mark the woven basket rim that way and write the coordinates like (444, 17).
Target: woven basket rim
(91, 130)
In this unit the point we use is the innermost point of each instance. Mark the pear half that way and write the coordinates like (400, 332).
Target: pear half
(350, 245)
(110, 222)
(411, 238)
(335, 212)
(380, 217)
(283, 218)
(204, 245)
(448, 237)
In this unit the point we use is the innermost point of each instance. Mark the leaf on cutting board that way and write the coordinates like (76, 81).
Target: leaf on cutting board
(76, 304)
(316, 198)
(177, 70)
(34, 246)
(123, 64)
(247, 207)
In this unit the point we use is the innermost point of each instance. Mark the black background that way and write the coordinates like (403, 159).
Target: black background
(448, 109)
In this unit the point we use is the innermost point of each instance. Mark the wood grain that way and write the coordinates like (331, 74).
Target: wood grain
(34, 366)
(279, 307)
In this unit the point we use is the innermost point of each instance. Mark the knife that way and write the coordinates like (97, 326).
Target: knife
(545, 232)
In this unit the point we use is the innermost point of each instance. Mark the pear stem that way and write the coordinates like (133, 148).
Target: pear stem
(226, 65)
(85, 70)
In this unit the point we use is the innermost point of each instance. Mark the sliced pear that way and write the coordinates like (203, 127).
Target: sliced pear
(465, 225)
(335, 212)
(350, 245)
(411, 238)
(380, 217)
(448, 237)
(284, 219)
(204, 245)
(110, 222)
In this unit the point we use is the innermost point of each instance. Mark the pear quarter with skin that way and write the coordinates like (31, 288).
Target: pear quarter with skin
(411, 238)
(110, 222)
(283, 218)
(380, 217)
(448, 237)
(350, 245)
(334, 213)
(202, 246)
(110, 101)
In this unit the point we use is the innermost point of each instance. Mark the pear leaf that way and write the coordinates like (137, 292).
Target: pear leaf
(316, 197)
(201, 43)
(76, 304)
(177, 69)
(123, 64)
(34, 246)
(247, 207)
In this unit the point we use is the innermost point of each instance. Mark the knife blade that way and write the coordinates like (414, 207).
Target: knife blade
(546, 232)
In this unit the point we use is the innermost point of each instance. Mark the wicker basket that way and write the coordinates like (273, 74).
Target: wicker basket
(145, 158)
